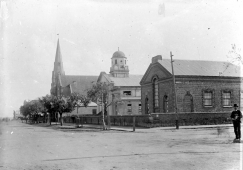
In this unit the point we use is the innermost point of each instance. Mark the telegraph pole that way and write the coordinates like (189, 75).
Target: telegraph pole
(174, 89)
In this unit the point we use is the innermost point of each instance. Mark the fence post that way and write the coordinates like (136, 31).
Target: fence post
(134, 123)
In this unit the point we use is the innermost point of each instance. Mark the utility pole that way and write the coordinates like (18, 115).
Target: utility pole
(174, 89)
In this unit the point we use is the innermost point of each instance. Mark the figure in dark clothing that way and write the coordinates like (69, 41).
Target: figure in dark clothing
(236, 116)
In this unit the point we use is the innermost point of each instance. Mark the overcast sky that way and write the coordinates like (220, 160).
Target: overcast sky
(91, 31)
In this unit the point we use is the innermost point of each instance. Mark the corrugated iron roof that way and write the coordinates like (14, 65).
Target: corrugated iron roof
(132, 80)
(201, 68)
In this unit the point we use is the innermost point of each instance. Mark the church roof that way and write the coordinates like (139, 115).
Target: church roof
(132, 80)
(201, 68)
(118, 54)
(78, 83)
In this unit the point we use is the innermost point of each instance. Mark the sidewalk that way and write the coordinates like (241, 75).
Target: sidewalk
(139, 129)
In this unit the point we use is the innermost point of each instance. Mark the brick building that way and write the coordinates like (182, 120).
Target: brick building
(123, 86)
(201, 86)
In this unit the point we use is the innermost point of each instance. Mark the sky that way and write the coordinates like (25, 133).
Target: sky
(90, 31)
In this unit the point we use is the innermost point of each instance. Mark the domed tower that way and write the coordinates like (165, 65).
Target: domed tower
(119, 67)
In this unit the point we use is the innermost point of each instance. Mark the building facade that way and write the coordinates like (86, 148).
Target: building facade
(124, 89)
(200, 86)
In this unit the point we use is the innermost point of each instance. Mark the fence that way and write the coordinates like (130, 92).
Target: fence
(157, 119)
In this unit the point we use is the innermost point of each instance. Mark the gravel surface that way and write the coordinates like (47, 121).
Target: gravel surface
(42, 147)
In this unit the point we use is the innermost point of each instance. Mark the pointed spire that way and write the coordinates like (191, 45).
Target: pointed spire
(58, 65)
(58, 53)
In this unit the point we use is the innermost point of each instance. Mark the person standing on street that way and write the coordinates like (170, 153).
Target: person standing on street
(236, 116)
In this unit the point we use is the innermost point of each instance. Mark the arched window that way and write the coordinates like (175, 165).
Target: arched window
(165, 103)
(146, 105)
(188, 103)
(155, 93)
(115, 61)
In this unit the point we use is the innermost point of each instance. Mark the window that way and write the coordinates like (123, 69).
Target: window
(125, 61)
(207, 98)
(127, 93)
(94, 111)
(156, 92)
(115, 61)
(138, 93)
(139, 107)
(226, 98)
(129, 108)
(165, 104)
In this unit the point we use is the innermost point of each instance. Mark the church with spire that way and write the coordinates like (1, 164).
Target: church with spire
(63, 84)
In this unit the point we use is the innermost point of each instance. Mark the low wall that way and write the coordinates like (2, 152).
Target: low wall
(157, 119)
(196, 118)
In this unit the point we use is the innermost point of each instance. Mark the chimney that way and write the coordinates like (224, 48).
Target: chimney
(156, 58)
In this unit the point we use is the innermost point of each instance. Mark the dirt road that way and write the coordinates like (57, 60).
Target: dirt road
(28, 147)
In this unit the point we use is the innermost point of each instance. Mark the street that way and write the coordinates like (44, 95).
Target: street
(27, 147)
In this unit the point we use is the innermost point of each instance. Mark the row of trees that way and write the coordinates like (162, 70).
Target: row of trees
(52, 104)
(59, 104)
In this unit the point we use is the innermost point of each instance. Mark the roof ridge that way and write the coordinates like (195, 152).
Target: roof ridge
(195, 60)
(82, 75)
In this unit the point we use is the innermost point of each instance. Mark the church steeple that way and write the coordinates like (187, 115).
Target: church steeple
(57, 71)
(58, 65)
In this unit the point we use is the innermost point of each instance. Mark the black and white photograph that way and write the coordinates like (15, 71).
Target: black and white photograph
(121, 84)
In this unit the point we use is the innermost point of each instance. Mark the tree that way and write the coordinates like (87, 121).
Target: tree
(61, 104)
(43, 109)
(54, 104)
(35, 108)
(25, 111)
(235, 55)
(77, 99)
(99, 93)
(31, 109)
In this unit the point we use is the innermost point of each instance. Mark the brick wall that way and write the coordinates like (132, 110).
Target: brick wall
(194, 88)
(159, 119)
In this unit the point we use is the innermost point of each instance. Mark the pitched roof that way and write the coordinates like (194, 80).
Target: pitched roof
(78, 83)
(132, 80)
(201, 68)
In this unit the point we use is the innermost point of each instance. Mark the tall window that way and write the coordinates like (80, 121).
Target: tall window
(156, 92)
(139, 108)
(226, 97)
(165, 104)
(207, 98)
(115, 61)
(129, 108)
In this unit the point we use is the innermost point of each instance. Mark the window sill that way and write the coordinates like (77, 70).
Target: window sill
(227, 106)
(208, 106)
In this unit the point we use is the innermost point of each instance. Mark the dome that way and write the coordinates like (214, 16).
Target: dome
(118, 54)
